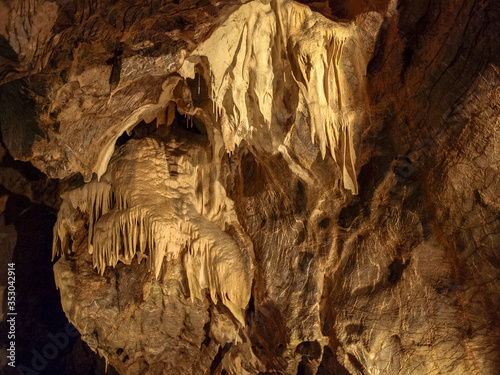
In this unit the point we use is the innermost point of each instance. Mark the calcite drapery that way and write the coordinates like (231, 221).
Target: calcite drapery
(397, 101)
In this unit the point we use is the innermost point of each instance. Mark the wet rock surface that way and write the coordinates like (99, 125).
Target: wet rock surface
(318, 181)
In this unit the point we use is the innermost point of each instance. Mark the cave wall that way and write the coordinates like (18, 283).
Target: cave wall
(265, 187)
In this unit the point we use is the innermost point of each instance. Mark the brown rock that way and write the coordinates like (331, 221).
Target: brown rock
(269, 187)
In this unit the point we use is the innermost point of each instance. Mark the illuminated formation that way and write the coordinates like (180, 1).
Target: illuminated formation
(139, 208)
(126, 219)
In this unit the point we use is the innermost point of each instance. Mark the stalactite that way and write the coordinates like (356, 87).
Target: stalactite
(243, 56)
(126, 220)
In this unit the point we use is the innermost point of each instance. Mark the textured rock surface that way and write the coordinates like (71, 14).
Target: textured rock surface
(267, 187)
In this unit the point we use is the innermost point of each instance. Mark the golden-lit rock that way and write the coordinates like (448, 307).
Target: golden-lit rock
(266, 186)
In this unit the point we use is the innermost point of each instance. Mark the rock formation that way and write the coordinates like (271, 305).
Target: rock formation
(264, 186)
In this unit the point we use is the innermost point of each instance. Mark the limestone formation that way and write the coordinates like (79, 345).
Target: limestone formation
(265, 187)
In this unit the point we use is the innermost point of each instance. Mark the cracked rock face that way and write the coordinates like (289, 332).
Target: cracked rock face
(266, 187)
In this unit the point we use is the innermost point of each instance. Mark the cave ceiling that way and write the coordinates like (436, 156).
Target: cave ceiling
(264, 187)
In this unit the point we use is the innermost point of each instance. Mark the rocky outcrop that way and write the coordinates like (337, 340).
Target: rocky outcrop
(267, 187)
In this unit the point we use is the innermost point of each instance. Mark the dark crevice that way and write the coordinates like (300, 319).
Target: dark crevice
(307, 257)
(396, 270)
(252, 175)
(206, 328)
(268, 335)
(250, 312)
(141, 130)
(310, 349)
(7, 51)
(407, 57)
(324, 223)
(350, 213)
(144, 129)
(124, 138)
(330, 365)
(182, 127)
(354, 361)
(116, 63)
(300, 197)
(198, 88)
(301, 369)
(189, 127)
(219, 356)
